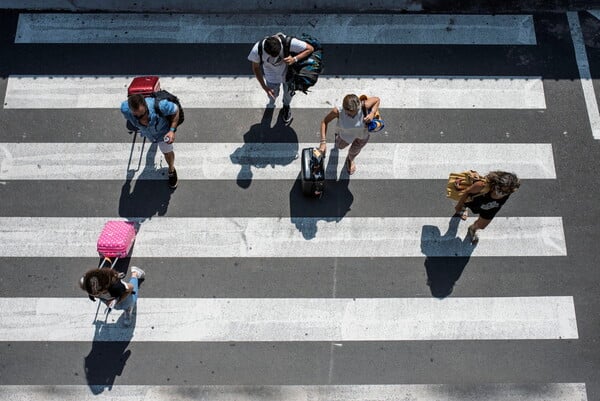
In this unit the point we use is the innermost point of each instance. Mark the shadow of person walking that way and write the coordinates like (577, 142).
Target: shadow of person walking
(149, 195)
(332, 206)
(263, 146)
(443, 271)
(109, 353)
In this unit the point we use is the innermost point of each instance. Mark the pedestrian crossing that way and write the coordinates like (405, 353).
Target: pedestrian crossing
(233, 237)
(409, 392)
(291, 343)
(453, 92)
(332, 28)
(226, 161)
(307, 319)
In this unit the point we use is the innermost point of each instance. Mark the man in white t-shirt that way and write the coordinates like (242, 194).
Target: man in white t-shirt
(271, 69)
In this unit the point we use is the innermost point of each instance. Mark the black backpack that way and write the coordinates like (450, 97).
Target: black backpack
(305, 73)
(165, 95)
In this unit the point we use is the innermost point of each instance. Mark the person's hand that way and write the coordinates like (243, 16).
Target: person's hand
(270, 92)
(458, 208)
(369, 117)
(112, 303)
(323, 147)
(289, 60)
(171, 136)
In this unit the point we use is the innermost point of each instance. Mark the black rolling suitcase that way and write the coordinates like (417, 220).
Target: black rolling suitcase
(313, 172)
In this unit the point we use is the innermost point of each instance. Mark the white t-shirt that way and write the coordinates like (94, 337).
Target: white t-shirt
(351, 128)
(275, 68)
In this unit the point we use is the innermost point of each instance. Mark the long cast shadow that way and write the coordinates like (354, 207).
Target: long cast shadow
(109, 353)
(332, 206)
(265, 146)
(444, 271)
(147, 196)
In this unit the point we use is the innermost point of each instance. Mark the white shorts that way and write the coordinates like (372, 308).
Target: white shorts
(165, 147)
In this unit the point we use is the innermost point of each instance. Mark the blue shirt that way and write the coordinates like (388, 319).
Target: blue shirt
(158, 126)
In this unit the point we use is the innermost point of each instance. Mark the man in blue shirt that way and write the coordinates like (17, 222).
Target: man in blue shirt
(141, 114)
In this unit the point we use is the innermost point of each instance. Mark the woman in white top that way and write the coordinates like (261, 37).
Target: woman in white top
(353, 118)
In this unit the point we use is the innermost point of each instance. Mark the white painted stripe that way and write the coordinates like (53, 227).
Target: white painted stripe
(274, 161)
(396, 92)
(293, 319)
(584, 73)
(384, 392)
(329, 28)
(595, 13)
(286, 237)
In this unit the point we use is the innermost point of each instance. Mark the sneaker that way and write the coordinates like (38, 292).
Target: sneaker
(173, 179)
(473, 234)
(287, 114)
(140, 273)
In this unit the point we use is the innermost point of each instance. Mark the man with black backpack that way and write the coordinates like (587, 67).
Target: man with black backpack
(270, 59)
(157, 120)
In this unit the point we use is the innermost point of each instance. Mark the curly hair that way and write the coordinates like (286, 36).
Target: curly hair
(98, 280)
(502, 179)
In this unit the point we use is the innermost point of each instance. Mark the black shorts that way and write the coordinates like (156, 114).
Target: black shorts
(484, 214)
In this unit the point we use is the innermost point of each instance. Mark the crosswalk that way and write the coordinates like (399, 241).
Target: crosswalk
(254, 292)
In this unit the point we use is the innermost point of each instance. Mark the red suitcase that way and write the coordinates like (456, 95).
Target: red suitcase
(144, 86)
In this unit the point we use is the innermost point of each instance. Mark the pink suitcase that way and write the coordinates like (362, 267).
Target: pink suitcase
(144, 86)
(116, 239)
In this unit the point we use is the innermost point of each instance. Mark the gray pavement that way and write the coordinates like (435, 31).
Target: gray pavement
(573, 195)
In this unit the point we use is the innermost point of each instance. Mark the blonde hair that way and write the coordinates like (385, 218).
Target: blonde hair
(351, 103)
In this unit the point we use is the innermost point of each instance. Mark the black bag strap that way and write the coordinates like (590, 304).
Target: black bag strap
(260, 51)
(364, 110)
(286, 42)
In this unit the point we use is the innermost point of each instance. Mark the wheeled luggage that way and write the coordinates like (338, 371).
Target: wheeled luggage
(116, 239)
(145, 86)
(313, 172)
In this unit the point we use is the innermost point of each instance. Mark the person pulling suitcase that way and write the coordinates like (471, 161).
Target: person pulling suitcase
(156, 114)
(353, 126)
(114, 292)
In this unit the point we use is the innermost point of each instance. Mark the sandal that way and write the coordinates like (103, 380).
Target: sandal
(471, 232)
(350, 166)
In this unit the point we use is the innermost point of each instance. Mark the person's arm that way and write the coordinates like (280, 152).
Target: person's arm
(371, 103)
(261, 79)
(125, 294)
(289, 60)
(333, 114)
(473, 189)
(172, 110)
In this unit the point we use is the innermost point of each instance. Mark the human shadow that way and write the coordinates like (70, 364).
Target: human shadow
(332, 206)
(265, 146)
(147, 196)
(109, 353)
(446, 257)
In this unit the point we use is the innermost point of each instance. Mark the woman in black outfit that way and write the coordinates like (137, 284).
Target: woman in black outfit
(485, 198)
